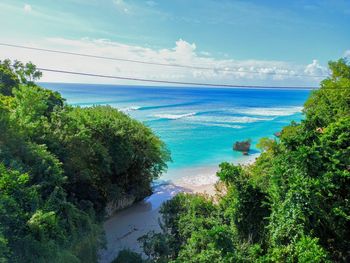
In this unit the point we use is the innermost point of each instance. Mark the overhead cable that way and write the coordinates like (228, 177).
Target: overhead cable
(173, 82)
(162, 64)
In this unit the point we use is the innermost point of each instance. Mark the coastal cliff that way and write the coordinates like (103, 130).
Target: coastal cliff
(119, 204)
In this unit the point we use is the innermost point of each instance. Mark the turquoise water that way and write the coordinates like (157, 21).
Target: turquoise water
(199, 125)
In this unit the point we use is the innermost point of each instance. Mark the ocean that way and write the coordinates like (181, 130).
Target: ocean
(198, 125)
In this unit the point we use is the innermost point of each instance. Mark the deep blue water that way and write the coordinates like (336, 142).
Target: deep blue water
(199, 125)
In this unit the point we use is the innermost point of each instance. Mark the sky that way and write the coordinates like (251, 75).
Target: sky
(240, 41)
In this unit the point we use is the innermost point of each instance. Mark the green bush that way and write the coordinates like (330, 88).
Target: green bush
(60, 166)
(127, 256)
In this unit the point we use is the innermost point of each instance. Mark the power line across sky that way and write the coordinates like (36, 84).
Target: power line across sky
(140, 79)
(174, 82)
(161, 64)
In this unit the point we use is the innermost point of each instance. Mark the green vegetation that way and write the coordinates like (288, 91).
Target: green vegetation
(60, 166)
(291, 205)
(127, 256)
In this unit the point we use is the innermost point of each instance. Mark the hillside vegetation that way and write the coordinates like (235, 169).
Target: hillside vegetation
(60, 166)
(291, 205)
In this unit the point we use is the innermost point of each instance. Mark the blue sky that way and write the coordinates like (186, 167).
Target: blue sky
(294, 36)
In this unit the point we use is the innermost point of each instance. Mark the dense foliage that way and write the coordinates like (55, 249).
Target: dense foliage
(291, 205)
(60, 166)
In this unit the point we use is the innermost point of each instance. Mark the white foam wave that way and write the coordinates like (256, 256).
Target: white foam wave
(223, 125)
(174, 116)
(227, 119)
(131, 108)
(278, 111)
(256, 114)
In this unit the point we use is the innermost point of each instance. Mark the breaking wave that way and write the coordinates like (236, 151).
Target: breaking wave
(227, 119)
(174, 116)
(223, 125)
(131, 108)
(278, 111)
(212, 120)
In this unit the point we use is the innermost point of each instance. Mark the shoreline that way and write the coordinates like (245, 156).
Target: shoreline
(124, 227)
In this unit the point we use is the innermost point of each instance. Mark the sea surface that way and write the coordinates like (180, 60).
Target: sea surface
(198, 125)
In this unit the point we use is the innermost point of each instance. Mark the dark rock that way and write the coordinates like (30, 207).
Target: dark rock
(243, 146)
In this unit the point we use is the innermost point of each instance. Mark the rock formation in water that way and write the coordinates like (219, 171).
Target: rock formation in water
(243, 146)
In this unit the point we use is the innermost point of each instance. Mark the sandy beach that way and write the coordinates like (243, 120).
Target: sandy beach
(126, 226)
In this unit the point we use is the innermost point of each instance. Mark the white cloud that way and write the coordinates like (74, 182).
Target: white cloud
(27, 8)
(347, 53)
(185, 47)
(223, 71)
(315, 69)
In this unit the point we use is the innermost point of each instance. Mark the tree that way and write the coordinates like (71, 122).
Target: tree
(332, 100)
(8, 79)
(60, 166)
(127, 256)
(27, 73)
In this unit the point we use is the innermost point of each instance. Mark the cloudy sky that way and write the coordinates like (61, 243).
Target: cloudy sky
(243, 42)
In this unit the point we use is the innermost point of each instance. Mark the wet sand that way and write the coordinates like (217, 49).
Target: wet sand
(126, 226)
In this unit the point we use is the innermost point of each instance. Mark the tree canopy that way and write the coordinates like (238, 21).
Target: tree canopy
(61, 165)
